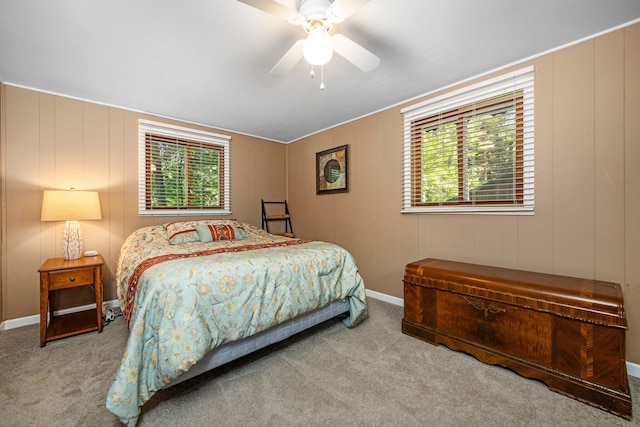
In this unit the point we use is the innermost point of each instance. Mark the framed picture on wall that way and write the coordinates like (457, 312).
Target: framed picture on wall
(332, 171)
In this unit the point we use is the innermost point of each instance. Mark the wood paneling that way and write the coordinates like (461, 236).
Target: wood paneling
(22, 209)
(609, 154)
(113, 207)
(53, 142)
(631, 278)
(587, 192)
(573, 160)
(2, 196)
(535, 233)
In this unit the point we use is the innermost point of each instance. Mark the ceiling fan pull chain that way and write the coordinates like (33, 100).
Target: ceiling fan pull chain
(312, 74)
(322, 77)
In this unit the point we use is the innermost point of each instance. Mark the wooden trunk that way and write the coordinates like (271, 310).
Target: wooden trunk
(567, 332)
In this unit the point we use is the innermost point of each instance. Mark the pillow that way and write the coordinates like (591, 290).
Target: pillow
(185, 231)
(213, 232)
(182, 232)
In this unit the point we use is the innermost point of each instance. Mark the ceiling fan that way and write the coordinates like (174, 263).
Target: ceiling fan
(317, 18)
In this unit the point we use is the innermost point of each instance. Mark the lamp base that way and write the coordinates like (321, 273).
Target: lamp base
(71, 240)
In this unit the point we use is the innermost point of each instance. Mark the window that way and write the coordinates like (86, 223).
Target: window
(182, 171)
(472, 150)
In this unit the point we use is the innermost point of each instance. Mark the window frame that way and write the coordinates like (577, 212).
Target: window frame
(516, 87)
(184, 137)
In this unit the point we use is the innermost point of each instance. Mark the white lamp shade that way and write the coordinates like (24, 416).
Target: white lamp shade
(318, 48)
(65, 205)
(70, 206)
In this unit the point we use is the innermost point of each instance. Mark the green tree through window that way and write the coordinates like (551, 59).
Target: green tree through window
(439, 164)
(182, 173)
(472, 155)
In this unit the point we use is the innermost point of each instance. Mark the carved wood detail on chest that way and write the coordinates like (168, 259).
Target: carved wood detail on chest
(488, 308)
(567, 332)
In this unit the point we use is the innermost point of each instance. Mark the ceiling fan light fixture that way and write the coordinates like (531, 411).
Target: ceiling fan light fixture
(318, 48)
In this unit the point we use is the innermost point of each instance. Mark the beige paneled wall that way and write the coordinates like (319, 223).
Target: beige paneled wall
(587, 212)
(53, 142)
(2, 181)
(631, 214)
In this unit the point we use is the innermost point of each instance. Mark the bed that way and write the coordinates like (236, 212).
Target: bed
(197, 294)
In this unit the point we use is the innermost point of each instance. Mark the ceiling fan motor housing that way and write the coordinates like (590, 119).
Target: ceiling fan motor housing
(314, 9)
(317, 17)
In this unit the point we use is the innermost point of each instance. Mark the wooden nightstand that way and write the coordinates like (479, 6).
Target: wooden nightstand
(58, 273)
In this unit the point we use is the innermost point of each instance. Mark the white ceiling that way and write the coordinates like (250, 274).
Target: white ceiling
(208, 61)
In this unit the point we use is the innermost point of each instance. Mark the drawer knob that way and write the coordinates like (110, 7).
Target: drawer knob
(72, 279)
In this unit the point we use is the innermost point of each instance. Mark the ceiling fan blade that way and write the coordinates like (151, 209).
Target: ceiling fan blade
(341, 9)
(289, 60)
(274, 8)
(354, 53)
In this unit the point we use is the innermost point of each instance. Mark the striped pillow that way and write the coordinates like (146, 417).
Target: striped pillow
(181, 232)
(214, 232)
(185, 231)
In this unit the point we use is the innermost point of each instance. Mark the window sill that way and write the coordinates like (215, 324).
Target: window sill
(184, 212)
(477, 210)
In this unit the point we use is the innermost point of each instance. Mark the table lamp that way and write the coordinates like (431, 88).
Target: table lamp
(70, 206)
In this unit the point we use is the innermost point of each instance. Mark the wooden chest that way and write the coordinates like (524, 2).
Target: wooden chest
(567, 332)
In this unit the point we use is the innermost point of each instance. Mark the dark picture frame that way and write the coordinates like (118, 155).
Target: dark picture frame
(332, 170)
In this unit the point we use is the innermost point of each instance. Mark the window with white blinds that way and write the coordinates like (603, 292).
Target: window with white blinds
(182, 171)
(471, 150)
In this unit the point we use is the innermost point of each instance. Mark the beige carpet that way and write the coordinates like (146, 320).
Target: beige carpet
(372, 375)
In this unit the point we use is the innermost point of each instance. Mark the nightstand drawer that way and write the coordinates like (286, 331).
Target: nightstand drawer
(70, 278)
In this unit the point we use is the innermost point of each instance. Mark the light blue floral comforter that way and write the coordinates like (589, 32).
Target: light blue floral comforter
(186, 305)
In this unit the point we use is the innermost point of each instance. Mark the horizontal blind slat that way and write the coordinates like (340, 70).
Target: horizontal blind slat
(182, 170)
(489, 147)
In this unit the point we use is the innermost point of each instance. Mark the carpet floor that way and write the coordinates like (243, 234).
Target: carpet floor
(371, 375)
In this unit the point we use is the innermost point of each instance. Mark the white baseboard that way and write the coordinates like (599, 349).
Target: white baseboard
(633, 369)
(32, 320)
(35, 319)
(384, 297)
